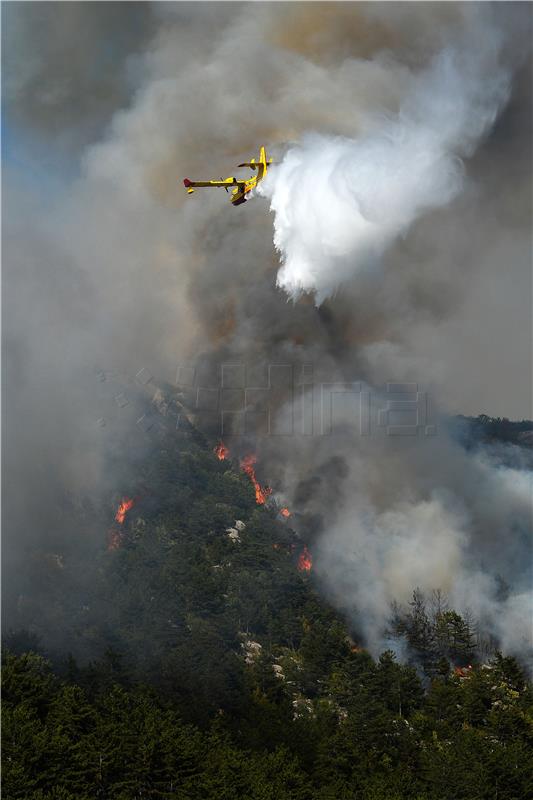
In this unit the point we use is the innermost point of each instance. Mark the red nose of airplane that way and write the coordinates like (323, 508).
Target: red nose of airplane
(186, 182)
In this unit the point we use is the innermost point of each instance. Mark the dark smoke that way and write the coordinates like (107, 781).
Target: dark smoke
(110, 270)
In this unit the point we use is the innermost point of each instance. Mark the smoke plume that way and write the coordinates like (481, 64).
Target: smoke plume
(402, 134)
(339, 203)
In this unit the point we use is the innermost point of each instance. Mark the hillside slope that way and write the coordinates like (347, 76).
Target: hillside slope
(206, 665)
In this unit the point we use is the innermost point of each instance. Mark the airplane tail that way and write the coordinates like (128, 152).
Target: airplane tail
(260, 165)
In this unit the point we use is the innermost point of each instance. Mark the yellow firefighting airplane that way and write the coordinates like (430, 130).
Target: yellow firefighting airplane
(241, 187)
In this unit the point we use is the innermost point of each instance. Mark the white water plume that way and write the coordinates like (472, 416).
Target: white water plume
(339, 203)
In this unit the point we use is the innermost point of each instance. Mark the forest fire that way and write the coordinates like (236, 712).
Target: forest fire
(221, 451)
(261, 492)
(305, 560)
(463, 672)
(123, 509)
(285, 512)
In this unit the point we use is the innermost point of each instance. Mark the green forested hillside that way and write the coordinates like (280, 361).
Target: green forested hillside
(200, 662)
(369, 732)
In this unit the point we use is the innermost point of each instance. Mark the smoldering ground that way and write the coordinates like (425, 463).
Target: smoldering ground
(108, 266)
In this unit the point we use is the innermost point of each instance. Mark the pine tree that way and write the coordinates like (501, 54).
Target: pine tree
(421, 633)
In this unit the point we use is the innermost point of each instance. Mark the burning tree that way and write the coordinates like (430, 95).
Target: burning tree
(125, 505)
(261, 492)
(305, 560)
(221, 451)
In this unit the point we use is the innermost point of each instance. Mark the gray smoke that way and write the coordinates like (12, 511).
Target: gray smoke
(109, 266)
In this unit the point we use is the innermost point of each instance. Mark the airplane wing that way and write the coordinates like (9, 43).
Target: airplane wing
(224, 183)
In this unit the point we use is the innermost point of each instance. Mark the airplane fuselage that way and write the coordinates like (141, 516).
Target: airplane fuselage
(238, 195)
(240, 187)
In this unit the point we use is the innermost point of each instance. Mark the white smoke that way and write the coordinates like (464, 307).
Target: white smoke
(339, 203)
(370, 557)
(421, 512)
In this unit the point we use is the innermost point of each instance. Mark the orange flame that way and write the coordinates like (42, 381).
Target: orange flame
(221, 451)
(463, 672)
(261, 492)
(285, 512)
(305, 560)
(123, 509)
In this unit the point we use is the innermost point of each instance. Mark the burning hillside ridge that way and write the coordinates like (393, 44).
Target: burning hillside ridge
(302, 558)
(304, 562)
(262, 493)
(371, 547)
(247, 464)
